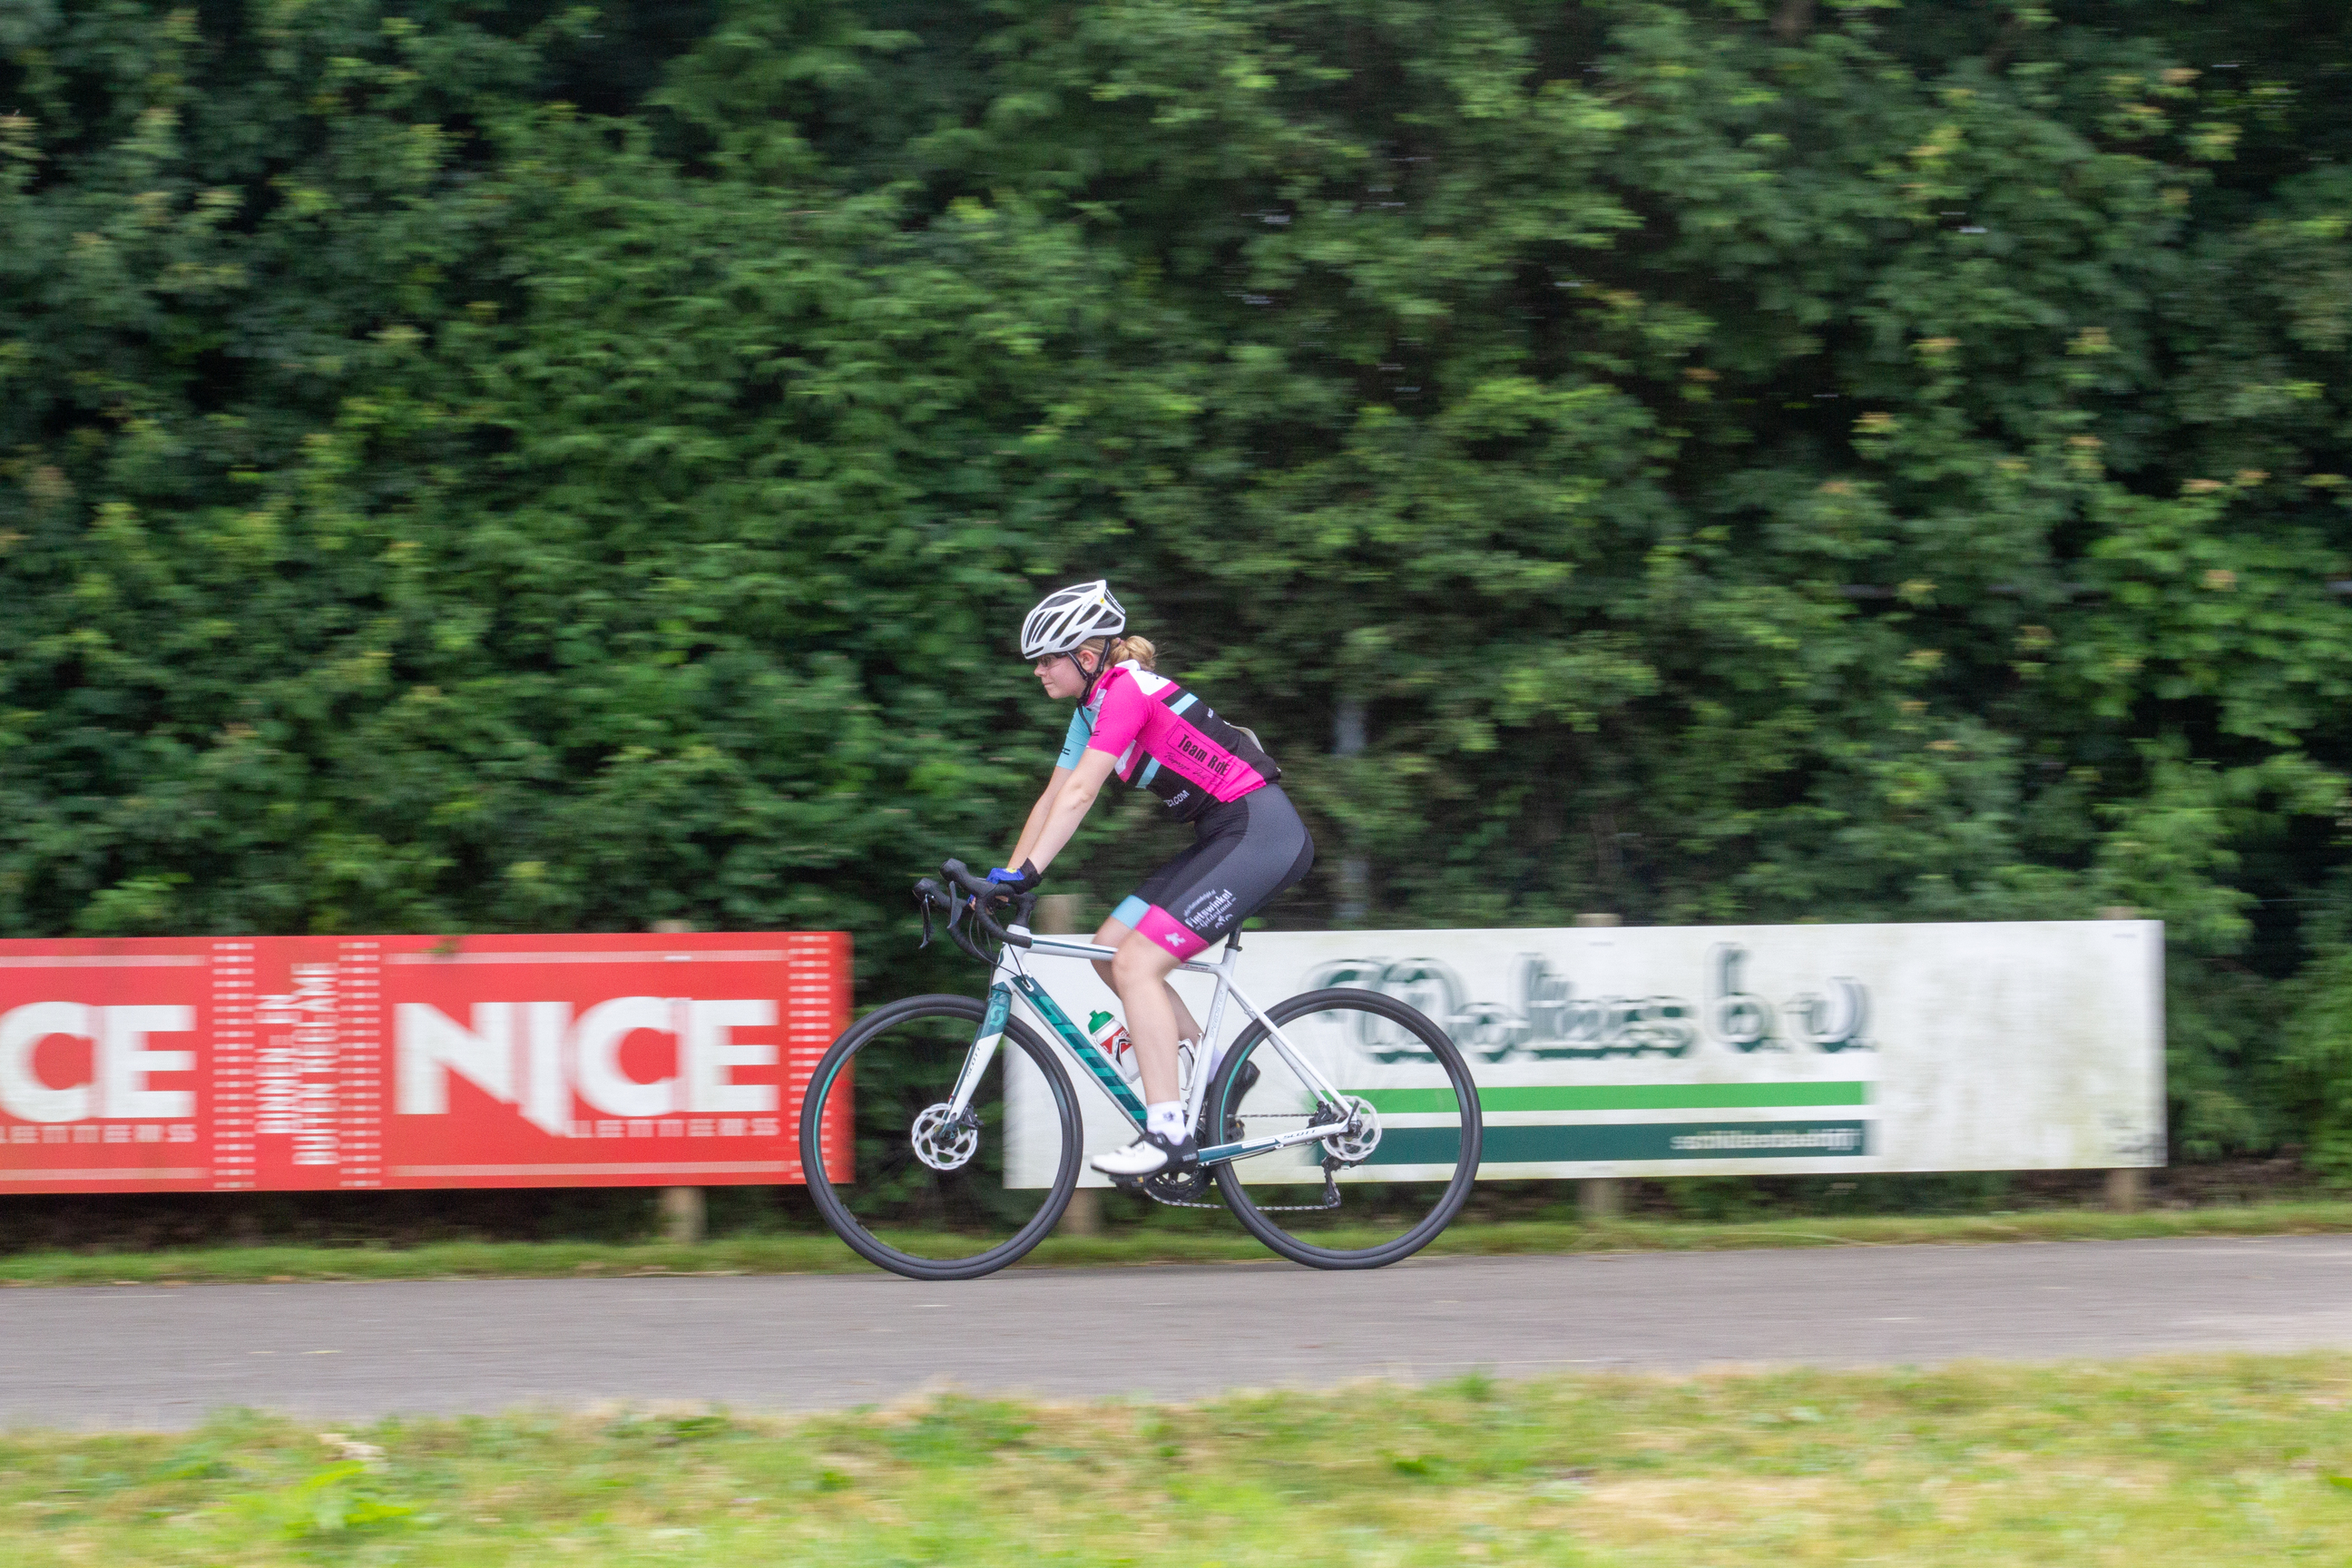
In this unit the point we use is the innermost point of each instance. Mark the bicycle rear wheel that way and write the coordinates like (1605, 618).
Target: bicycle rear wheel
(918, 1195)
(1348, 1203)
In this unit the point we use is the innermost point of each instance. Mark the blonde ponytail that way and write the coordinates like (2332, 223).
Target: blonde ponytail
(1119, 650)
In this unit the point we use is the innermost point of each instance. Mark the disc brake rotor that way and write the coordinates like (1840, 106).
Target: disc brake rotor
(1354, 1143)
(944, 1141)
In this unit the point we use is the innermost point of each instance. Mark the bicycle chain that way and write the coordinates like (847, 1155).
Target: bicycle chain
(1331, 1181)
(1145, 1188)
(1331, 1194)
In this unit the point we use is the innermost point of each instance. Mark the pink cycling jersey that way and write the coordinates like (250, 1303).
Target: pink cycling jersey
(1169, 741)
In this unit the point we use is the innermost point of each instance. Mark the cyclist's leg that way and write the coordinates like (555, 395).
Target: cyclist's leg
(1131, 911)
(1140, 974)
(1250, 849)
(1116, 931)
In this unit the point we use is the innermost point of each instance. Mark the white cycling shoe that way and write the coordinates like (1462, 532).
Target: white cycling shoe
(1149, 1155)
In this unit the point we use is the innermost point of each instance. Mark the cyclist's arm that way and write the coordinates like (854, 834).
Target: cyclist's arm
(1069, 807)
(1037, 812)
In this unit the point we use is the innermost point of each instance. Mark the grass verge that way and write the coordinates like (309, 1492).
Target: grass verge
(823, 1254)
(2183, 1461)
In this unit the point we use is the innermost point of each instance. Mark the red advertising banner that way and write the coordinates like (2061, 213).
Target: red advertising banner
(229, 1064)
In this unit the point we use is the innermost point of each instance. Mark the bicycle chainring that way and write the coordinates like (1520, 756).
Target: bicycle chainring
(1179, 1188)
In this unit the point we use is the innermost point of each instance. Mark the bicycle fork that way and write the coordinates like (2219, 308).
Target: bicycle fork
(977, 1056)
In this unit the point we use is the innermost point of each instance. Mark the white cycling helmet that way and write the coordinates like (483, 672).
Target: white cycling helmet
(1066, 617)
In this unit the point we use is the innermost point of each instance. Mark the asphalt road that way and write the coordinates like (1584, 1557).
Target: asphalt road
(141, 1356)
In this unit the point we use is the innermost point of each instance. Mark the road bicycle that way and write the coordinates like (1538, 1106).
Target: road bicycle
(950, 1138)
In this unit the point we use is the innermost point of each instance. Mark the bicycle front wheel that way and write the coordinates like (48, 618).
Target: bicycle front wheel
(914, 1190)
(1385, 1189)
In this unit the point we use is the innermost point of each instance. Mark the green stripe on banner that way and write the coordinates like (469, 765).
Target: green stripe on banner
(1632, 1140)
(1625, 1097)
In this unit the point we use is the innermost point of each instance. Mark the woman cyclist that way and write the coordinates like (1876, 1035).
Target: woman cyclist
(1250, 843)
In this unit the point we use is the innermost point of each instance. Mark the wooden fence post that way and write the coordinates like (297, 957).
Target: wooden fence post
(684, 1211)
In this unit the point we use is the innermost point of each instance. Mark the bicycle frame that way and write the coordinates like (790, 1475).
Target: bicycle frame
(1012, 980)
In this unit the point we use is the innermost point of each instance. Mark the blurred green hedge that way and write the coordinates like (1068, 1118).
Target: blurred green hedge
(479, 466)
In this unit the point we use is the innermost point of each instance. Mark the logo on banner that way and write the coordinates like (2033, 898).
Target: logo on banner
(266, 1063)
(1544, 1019)
(537, 1056)
(114, 1086)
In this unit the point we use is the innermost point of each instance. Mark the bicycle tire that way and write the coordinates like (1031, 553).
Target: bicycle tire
(1222, 1111)
(866, 1033)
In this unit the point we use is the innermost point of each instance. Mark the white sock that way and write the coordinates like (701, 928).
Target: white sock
(1166, 1119)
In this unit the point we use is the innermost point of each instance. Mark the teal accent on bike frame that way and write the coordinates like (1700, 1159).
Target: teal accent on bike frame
(999, 1008)
(1106, 1072)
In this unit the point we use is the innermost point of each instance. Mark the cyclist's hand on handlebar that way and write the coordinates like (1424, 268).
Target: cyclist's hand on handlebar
(1023, 881)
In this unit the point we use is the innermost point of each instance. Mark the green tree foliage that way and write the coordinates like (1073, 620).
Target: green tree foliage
(514, 465)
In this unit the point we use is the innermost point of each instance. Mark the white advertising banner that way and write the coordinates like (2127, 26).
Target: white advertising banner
(1732, 1050)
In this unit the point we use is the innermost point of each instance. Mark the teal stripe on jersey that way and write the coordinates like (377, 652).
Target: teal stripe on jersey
(1180, 704)
(1074, 744)
(1149, 773)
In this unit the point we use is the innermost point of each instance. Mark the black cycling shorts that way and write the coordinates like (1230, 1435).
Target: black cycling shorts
(1247, 851)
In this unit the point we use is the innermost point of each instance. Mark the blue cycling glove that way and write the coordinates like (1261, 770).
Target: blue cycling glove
(1020, 881)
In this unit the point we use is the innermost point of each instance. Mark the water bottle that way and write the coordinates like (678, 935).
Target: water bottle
(1110, 1037)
